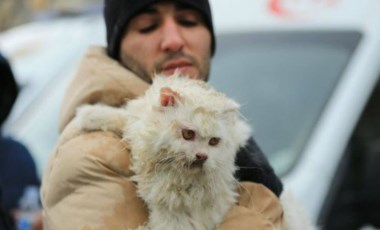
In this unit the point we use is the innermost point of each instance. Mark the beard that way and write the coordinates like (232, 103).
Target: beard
(136, 67)
(145, 74)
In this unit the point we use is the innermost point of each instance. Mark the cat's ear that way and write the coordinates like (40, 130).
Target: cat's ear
(168, 97)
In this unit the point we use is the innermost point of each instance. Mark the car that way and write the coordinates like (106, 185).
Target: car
(305, 72)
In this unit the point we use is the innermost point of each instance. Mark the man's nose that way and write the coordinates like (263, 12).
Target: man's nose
(172, 37)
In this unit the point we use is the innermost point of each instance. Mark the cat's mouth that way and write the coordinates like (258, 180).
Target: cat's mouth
(183, 162)
(199, 161)
(196, 164)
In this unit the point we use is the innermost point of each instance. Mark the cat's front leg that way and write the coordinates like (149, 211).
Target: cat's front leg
(101, 117)
(163, 219)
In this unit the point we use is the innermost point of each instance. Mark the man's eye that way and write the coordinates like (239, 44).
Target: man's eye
(148, 29)
(188, 22)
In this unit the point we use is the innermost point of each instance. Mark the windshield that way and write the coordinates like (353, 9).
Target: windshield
(283, 81)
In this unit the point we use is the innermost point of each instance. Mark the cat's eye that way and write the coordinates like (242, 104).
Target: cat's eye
(214, 141)
(188, 134)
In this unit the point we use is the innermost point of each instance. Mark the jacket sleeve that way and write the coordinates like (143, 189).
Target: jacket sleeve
(87, 186)
(254, 166)
(257, 208)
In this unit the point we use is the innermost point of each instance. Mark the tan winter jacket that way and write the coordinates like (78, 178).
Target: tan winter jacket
(86, 185)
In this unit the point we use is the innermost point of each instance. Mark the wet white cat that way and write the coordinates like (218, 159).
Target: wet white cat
(183, 136)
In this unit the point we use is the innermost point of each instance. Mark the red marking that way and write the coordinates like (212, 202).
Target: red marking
(277, 8)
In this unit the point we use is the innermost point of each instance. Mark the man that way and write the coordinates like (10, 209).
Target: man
(86, 185)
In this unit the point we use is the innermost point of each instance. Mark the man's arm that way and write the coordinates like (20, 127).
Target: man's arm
(87, 182)
(254, 166)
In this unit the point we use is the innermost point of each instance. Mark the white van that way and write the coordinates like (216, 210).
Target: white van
(306, 72)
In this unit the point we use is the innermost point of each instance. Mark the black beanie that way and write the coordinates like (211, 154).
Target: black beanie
(118, 13)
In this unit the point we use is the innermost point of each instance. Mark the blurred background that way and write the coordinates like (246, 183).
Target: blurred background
(17, 12)
(305, 71)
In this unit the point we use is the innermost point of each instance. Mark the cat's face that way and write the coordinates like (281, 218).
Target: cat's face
(192, 138)
(197, 142)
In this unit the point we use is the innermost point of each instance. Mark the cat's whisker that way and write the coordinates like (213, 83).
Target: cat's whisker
(156, 168)
(250, 167)
(166, 160)
(173, 160)
(245, 148)
(187, 165)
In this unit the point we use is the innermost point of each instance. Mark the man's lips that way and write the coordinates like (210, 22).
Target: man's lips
(175, 64)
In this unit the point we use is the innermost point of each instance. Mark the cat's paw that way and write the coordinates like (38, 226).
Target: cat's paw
(100, 117)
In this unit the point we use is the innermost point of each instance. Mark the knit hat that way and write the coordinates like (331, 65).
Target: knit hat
(118, 13)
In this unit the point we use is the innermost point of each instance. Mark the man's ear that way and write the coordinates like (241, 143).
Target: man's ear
(168, 97)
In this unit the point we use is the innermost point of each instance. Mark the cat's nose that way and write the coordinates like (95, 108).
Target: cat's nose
(201, 156)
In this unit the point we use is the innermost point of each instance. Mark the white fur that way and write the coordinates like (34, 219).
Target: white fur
(295, 217)
(177, 196)
(101, 117)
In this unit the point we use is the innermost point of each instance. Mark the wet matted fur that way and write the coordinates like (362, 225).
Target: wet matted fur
(184, 136)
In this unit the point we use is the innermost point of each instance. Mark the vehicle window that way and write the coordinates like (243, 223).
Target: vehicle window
(283, 81)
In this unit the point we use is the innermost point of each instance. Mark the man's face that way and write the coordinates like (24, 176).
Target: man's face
(164, 38)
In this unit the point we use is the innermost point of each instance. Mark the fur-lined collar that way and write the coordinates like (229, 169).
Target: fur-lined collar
(99, 79)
